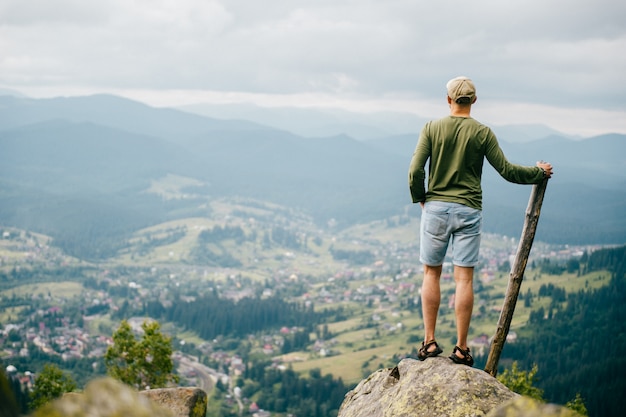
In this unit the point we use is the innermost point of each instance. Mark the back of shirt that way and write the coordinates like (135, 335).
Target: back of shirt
(456, 148)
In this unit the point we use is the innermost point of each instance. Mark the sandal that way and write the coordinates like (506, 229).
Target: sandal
(465, 360)
(424, 353)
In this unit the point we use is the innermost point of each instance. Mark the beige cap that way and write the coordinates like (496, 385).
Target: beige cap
(460, 87)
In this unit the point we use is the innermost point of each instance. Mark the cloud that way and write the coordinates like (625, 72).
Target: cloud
(557, 53)
(33, 13)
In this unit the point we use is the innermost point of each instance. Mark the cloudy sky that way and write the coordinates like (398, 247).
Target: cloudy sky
(556, 62)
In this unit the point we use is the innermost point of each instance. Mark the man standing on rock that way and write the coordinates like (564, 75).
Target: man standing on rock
(455, 147)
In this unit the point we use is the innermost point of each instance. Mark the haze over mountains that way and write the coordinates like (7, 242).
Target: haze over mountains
(311, 122)
(83, 166)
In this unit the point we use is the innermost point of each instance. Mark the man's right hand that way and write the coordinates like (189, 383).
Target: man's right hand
(547, 168)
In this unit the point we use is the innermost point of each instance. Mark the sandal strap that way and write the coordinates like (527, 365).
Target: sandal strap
(425, 346)
(424, 351)
(429, 344)
(467, 358)
(466, 353)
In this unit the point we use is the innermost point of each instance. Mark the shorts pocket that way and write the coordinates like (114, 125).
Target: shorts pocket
(436, 221)
(471, 222)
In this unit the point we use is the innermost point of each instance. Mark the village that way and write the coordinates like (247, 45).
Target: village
(72, 327)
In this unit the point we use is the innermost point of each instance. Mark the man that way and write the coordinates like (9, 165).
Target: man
(455, 147)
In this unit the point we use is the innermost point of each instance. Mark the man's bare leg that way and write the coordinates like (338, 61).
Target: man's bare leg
(431, 297)
(463, 303)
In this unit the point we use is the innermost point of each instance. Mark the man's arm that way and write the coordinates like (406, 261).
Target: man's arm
(417, 173)
(518, 174)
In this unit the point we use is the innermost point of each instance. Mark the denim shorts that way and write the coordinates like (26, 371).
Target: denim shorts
(446, 223)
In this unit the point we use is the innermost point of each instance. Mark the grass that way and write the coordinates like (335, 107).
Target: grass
(381, 232)
(171, 186)
(316, 260)
(357, 346)
(173, 253)
(9, 314)
(56, 290)
(361, 351)
(344, 326)
(188, 336)
(17, 246)
(349, 366)
(101, 325)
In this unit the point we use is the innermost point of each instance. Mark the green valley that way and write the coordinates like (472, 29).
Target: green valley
(254, 284)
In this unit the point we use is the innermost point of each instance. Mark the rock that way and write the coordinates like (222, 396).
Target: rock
(434, 387)
(528, 407)
(183, 402)
(107, 397)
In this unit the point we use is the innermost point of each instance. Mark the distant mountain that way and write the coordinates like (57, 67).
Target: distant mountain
(527, 133)
(80, 169)
(321, 122)
(316, 122)
(598, 161)
(115, 112)
(10, 92)
(587, 192)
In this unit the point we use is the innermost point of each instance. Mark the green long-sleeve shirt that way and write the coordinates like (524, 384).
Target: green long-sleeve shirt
(456, 147)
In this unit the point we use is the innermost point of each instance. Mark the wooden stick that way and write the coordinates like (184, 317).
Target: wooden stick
(517, 275)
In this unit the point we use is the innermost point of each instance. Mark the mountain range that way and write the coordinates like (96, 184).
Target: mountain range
(80, 168)
(321, 122)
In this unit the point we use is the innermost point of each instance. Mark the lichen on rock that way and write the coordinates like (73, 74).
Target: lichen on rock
(435, 387)
(183, 402)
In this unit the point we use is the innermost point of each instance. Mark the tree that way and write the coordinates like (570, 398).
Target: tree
(144, 363)
(578, 405)
(50, 384)
(521, 382)
(8, 404)
(121, 358)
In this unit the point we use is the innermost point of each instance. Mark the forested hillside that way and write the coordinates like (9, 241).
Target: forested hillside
(579, 344)
(86, 171)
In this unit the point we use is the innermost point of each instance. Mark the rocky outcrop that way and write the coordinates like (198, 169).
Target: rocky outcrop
(107, 397)
(439, 388)
(434, 387)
